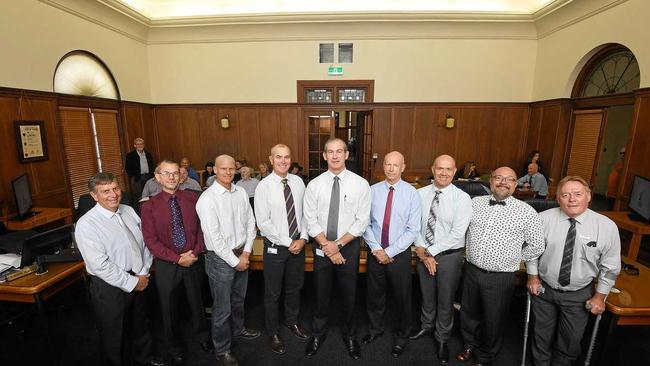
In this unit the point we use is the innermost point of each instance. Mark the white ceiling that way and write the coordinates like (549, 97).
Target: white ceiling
(154, 10)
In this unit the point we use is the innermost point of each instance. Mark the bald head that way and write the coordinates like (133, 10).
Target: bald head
(393, 167)
(224, 169)
(443, 169)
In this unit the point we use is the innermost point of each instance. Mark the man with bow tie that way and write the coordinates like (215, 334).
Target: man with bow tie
(503, 231)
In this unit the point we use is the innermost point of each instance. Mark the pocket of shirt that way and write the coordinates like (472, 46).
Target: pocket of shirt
(590, 251)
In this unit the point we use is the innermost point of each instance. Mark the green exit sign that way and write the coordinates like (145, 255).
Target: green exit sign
(335, 70)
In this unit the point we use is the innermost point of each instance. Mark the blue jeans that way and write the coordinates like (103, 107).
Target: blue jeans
(228, 288)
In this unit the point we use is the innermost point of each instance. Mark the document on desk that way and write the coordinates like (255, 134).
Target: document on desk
(9, 260)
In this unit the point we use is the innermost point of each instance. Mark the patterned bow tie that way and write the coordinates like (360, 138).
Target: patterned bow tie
(495, 202)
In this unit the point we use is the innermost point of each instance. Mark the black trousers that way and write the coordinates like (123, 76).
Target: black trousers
(325, 273)
(484, 309)
(560, 322)
(397, 277)
(174, 283)
(287, 270)
(117, 314)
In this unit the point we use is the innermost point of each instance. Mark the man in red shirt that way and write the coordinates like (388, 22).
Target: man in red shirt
(172, 232)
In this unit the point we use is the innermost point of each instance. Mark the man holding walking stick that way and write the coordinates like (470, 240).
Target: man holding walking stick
(580, 246)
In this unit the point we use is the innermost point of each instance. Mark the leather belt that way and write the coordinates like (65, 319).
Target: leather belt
(238, 251)
(450, 251)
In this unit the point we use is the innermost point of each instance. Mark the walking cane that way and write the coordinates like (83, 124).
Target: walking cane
(594, 333)
(528, 301)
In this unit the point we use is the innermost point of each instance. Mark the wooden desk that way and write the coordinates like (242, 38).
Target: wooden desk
(637, 228)
(629, 307)
(45, 216)
(257, 257)
(523, 194)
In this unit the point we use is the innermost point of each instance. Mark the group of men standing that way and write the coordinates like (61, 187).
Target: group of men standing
(564, 251)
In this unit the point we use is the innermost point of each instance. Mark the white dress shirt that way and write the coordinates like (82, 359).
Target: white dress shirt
(452, 218)
(227, 221)
(271, 209)
(354, 204)
(106, 248)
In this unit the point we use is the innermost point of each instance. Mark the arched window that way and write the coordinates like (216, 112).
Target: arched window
(612, 70)
(82, 73)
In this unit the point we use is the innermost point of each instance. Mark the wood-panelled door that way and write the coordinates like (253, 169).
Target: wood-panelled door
(588, 126)
(320, 128)
(368, 162)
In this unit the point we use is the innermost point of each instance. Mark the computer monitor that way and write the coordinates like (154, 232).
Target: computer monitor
(47, 242)
(23, 196)
(640, 199)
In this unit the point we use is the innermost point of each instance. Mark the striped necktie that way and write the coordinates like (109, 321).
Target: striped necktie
(564, 277)
(291, 210)
(431, 222)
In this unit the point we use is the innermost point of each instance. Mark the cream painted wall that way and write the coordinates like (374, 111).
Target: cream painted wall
(561, 55)
(34, 37)
(427, 70)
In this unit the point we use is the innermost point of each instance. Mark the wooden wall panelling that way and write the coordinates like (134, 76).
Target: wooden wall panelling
(401, 132)
(207, 125)
(190, 138)
(270, 120)
(638, 149)
(169, 131)
(249, 134)
(227, 140)
(149, 133)
(513, 122)
(381, 137)
(548, 132)
(423, 141)
(534, 127)
(447, 140)
(291, 133)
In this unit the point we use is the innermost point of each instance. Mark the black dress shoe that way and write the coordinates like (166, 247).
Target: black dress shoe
(482, 364)
(397, 350)
(298, 331)
(353, 348)
(249, 334)
(466, 355)
(313, 345)
(227, 359)
(276, 344)
(178, 360)
(207, 345)
(369, 338)
(421, 333)
(443, 352)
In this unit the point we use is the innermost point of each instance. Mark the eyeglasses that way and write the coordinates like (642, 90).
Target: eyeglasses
(169, 174)
(503, 179)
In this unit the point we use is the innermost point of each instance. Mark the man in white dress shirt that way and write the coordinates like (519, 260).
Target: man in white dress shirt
(228, 231)
(111, 243)
(337, 212)
(279, 216)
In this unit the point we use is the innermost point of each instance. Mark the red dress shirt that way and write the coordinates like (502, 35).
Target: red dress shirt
(157, 226)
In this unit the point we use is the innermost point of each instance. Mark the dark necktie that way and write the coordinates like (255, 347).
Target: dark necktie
(567, 258)
(291, 210)
(333, 215)
(178, 231)
(495, 202)
(431, 222)
(385, 228)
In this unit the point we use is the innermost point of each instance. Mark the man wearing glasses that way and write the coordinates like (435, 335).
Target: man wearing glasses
(172, 233)
(580, 245)
(503, 231)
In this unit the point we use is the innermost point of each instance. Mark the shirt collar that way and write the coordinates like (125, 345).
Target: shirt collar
(108, 213)
(443, 190)
(221, 189)
(508, 200)
(277, 178)
(395, 186)
(341, 175)
(580, 219)
(166, 196)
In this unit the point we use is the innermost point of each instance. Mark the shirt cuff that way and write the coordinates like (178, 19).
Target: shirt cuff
(603, 288)
(434, 250)
(131, 283)
(531, 267)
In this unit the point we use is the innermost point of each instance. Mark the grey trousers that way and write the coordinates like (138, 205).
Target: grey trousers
(560, 322)
(438, 294)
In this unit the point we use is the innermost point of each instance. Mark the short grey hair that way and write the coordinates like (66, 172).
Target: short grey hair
(333, 139)
(100, 179)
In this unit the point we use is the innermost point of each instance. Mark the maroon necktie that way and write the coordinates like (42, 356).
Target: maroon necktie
(385, 228)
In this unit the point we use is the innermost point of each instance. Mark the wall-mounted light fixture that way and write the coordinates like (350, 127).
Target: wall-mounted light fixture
(374, 157)
(450, 122)
(225, 122)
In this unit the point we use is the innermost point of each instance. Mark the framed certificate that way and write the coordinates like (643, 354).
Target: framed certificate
(30, 140)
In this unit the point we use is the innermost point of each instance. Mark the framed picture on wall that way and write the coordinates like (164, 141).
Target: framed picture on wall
(30, 140)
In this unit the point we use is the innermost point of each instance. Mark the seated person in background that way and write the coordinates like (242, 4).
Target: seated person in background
(185, 163)
(239, 163)
(209, 170)
(534, 181)
(249, 184)
(533, 157)
(209, 181)
(296, 169)
(469, 172)
(264, 171)
(151, 188)
(188, 183)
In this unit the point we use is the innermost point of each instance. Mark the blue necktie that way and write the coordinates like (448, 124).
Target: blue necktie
(178, 231)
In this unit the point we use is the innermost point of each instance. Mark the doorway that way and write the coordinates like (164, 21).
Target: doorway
(352, 126)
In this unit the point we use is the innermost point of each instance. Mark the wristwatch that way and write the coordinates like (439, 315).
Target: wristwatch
(338, 244)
